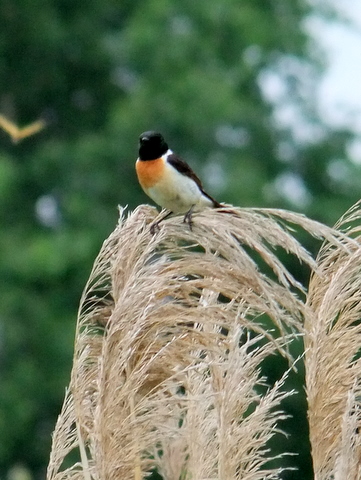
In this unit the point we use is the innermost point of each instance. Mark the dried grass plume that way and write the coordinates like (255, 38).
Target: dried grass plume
(171, 334)
(332, 356)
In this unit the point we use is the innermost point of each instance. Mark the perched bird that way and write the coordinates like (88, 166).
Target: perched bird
(168, 180)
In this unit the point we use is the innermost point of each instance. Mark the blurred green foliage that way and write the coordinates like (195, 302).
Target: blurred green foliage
(214, 77)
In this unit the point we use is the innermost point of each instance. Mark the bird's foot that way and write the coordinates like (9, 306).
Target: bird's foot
(154, 228)
(188, 218)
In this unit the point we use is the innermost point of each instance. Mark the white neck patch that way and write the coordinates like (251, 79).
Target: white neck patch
(168, 153)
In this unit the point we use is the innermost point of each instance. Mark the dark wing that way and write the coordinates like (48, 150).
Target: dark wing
(182, 167)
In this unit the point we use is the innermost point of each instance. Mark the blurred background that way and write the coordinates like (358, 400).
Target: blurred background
(261, 97)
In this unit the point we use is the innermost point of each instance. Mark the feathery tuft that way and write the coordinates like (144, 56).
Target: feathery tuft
(171, 333)
(332, 356)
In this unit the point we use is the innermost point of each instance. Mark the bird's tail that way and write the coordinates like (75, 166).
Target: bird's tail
(217, 205)
(226, 209)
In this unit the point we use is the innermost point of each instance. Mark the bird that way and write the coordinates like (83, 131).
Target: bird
(169, 181)
(16, 133)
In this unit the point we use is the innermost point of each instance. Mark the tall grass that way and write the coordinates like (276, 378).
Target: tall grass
(332, 356)
(171, 335)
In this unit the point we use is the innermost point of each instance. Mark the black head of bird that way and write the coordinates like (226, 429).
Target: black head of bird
(151, 145)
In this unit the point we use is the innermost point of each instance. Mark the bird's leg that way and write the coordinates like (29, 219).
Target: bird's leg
(188, 217)
(155, 225)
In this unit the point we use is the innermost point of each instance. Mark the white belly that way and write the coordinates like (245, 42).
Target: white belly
(178, 193)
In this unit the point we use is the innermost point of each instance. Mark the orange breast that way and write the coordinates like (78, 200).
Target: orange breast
(150, 172)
